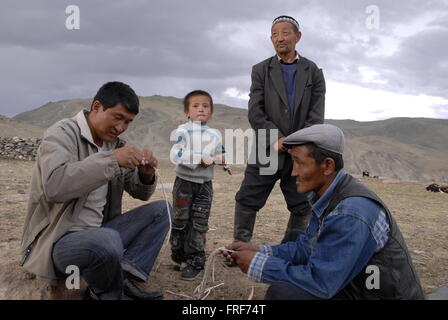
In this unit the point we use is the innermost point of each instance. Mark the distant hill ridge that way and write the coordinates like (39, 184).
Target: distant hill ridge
(400, 148)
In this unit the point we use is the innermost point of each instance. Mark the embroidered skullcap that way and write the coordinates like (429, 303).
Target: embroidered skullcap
(286, 19)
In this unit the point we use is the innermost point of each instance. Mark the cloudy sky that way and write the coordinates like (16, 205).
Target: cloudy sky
(389, 60)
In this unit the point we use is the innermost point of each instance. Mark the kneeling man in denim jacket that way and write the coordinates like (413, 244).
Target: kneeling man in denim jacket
(352, 248)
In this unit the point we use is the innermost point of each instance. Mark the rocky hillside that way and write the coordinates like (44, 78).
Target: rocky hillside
(399, 148)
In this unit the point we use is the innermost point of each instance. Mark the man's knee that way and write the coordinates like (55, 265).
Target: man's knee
(95, 247)
(158, 209)
(107, 246)
(157, 213)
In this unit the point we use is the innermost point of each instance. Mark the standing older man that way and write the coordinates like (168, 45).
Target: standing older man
(287, 94)
(74, 211)
(352, 248)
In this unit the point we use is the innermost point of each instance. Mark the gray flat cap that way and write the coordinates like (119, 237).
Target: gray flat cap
(325, 136)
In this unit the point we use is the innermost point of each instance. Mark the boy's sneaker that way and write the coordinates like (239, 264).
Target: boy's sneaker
(180, 267)
(189, 273)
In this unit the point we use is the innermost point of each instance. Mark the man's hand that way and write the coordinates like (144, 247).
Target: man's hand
(279, 145)
(147, 166)
(239, 247)
(128, 157)
(243, 259)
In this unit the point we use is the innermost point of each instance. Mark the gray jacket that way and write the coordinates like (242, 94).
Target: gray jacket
(268, 103)
(68, 167)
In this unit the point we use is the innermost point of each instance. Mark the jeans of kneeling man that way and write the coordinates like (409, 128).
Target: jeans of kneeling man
(128, 243)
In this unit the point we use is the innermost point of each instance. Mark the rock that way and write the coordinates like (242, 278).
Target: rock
(419, 252)
(19, 148)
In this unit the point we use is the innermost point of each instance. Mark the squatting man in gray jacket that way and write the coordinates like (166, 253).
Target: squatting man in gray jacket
(74, 211)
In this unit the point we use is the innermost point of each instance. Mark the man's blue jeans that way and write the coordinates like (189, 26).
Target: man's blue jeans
(130, 242)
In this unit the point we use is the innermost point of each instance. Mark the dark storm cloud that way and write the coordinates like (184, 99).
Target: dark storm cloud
(170, 47)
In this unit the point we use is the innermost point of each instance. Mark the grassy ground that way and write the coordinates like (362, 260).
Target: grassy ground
(421, 215)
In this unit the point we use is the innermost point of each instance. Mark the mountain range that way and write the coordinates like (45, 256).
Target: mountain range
(411, 149)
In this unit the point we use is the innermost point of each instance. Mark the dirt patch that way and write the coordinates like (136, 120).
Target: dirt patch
(421, 215)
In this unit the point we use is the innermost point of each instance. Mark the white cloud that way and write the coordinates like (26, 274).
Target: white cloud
(418, 24)
(344, 101)
(369, 75)
(391, 37)
(387, 46)
(237, 94)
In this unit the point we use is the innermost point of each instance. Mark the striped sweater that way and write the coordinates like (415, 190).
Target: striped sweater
(191, 142)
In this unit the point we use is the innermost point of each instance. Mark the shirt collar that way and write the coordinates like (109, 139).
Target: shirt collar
(320, 204)
(191, 122)
(296, 58)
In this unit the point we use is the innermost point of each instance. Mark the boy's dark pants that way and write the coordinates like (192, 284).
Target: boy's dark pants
(192, 203)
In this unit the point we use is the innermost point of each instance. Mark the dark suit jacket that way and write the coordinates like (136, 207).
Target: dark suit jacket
(268, 103)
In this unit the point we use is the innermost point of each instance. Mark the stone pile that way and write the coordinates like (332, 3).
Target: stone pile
(19, 148)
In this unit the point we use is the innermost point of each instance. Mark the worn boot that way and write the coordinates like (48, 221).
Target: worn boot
(244, 223)
(297, 225)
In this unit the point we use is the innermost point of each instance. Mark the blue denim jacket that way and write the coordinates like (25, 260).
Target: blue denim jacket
(331, 252)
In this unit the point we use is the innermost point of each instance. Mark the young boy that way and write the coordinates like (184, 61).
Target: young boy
(196, 149)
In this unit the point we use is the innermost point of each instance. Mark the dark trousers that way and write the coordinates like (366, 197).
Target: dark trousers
(254, 192)
(129, 242)
(286, 291)
(192, 204)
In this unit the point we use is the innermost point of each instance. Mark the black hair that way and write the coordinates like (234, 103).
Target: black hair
(319, 155)
(196, 93)
(113, 93)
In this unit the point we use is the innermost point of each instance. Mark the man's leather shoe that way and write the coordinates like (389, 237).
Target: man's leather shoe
(89, 294)
(131, 290)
